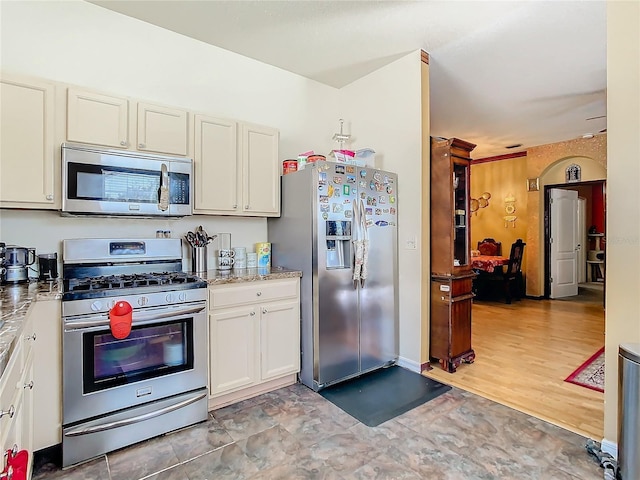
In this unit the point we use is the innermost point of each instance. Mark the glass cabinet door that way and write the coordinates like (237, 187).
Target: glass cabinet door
(461, 214)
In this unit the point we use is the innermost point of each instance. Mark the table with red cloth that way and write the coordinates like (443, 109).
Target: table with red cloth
(488, 263)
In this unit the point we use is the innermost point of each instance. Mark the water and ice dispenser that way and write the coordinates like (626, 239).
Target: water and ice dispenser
(338, 237)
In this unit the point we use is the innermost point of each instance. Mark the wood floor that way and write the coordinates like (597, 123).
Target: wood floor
(525, 350)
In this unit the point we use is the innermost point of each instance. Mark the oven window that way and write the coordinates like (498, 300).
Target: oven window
(149, 351)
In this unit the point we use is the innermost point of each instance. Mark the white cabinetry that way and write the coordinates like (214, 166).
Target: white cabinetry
(261, 171)
(97, 119)
(113, 122)
(47, 374)
(216, 165)
(28, 167)
(236, 168)
(254, 340)
(16, 396)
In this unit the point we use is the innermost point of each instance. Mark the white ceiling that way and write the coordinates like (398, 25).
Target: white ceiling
(502, 73)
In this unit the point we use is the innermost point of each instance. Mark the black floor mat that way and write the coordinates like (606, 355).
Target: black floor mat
(384, 394)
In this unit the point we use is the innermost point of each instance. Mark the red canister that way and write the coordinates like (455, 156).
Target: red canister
(289, 166)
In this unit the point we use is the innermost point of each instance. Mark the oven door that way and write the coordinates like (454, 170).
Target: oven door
(164, 355)
(120, 183)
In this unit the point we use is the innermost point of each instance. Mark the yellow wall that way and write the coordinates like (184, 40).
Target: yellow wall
(502, 179)
(426, 224)
(622, 314)
(548, 163)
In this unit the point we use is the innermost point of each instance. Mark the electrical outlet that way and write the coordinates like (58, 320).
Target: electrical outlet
(411, 243)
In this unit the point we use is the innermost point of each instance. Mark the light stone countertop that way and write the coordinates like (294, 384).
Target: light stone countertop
(15, 303)
(222, 277)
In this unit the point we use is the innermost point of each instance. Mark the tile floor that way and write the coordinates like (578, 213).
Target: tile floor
(294, 433)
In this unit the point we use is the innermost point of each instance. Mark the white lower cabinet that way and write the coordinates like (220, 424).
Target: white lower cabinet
(16, 397)
(254, 339)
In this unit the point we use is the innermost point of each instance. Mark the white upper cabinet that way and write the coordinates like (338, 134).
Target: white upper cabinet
(261, 171)
(216, 166)
(97, 119)
(235, 175)
(162, 129)
(112, 122)
(27, 151)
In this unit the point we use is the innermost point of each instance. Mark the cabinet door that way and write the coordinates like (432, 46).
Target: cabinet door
(216, 165)
(279, 339)
(162, 129)
(47, 361)
(233, 345)
(97, 119)
(260, 171)
(11, 393)
(27, 152)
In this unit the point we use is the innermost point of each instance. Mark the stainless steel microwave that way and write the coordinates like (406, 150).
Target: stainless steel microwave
(111, 182)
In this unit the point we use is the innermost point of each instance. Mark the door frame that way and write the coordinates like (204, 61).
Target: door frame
(547, 223)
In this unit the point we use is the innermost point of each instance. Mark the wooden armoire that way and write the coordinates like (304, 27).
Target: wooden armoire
(451, 274)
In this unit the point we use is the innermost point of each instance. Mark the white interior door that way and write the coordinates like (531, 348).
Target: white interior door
(581, 233)
(564, 243)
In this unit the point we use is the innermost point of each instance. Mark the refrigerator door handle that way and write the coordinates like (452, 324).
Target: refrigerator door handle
(362, 220)
(355, 237)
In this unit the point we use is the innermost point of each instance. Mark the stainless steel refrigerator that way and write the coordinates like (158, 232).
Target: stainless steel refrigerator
(333, 217)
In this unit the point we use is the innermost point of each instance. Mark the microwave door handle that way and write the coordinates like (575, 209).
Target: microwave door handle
(163, 191)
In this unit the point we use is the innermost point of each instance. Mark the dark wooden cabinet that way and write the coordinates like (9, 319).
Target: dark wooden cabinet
(451, 275)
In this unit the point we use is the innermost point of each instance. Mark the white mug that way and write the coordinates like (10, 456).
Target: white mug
(252, 260)
(225, 263)
(240, 252)
(226, 252)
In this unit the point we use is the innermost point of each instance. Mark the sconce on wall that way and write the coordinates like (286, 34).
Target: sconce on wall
(481, 202)
(510, 210)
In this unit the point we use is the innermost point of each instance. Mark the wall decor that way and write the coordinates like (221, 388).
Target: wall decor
(573, 173)
(481, 202)
(533, 184)
(510, 210)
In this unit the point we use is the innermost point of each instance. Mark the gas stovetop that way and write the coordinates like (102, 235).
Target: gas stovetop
(96, 268)
(128, 284)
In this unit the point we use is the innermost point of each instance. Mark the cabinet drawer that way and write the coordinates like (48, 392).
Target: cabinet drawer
(268, 290)
(9, 384)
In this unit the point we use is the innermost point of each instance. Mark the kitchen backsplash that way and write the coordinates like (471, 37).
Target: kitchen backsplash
(45, 230)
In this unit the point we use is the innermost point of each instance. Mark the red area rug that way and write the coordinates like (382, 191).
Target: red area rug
(591, 373)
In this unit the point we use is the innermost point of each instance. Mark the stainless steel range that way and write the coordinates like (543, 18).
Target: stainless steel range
(118, 391)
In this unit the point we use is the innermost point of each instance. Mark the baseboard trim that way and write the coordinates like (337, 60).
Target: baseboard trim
(607, 446)
(409, 364)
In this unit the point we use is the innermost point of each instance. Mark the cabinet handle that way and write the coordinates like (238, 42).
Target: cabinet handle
(11, 412)
(264, 311)
(49, 197)
(28, 385)
(123, 143)
(31, 337)
(246, 207)
(252, 314)
(258, 294)
(235, 206)
(141, 145)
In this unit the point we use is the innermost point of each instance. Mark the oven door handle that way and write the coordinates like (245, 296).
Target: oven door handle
(74, 432)
(137, 318)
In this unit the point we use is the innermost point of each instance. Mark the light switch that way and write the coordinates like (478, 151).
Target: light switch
(411, 243)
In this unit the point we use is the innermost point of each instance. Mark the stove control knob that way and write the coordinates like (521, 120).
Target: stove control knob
(96, 306)
(169, 298)
(182, 297)
(142, 301)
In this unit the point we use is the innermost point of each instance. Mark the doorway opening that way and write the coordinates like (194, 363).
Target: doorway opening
(592, 241)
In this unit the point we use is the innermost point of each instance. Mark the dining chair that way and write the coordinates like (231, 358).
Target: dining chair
(510, 281)
(490, 247)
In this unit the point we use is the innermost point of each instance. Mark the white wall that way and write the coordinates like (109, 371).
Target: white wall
(80, 43)
(384, 112)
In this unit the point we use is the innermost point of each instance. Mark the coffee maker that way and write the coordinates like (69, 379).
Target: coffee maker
(16, 261)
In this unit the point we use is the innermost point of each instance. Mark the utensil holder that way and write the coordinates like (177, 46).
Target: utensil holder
(199, 259)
